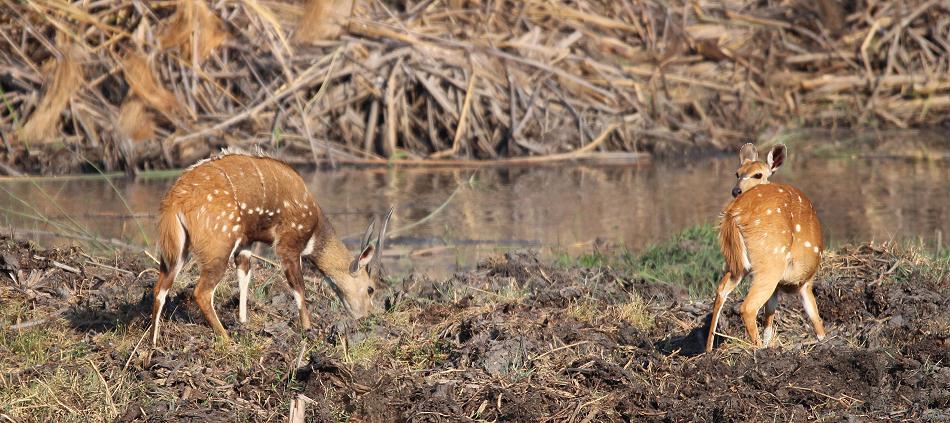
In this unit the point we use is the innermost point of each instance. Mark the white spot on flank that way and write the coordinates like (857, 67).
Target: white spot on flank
(781, 190)
(243, 206)
(278, 211)
(756, 222)
(224, 228)
(798, 228)
(235, 228)
(788, 255)
(799, 199)
(783, 248)
(775, 250)
(807, 244)
(305, 207)
(210, 197)
(768, 212)
(215, 192)
(215, 227)
(760, 194)
(238, 219)
(286, 204)
(231, 216)
(779, 210)
(816, 249)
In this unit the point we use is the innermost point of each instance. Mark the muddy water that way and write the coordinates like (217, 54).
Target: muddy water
(557, 209)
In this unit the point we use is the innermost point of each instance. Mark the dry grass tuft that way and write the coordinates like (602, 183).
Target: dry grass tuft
(323, 20)
(135, 122)
(66, 79)
(192, 19)
(144, 84)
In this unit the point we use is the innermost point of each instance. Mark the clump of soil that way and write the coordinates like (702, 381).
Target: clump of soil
(517, 339)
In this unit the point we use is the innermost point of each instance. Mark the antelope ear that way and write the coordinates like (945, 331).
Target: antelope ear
(748, 153)
(776, 157)
(363, 259)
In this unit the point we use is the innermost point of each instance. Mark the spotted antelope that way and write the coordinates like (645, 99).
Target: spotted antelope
(220, 206)
(770, 231)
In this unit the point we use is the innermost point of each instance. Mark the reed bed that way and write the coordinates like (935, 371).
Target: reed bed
(146, 85)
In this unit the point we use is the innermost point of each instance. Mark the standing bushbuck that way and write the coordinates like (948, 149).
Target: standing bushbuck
(222, 205)
(771, 231)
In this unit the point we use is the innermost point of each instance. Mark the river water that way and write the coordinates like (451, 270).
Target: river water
(469, 214)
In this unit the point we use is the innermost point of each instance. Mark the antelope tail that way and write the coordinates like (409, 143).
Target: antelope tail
(171, 240)
(732, 244)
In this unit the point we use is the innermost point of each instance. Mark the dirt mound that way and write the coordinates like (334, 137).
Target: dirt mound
(515, 339)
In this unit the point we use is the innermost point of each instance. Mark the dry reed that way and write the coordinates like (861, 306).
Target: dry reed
(468, 80)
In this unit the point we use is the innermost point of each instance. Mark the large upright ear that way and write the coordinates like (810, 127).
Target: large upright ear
(363, 259)
(776, 157)
(748, 152)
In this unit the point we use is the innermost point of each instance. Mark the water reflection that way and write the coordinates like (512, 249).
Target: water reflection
(557, 208)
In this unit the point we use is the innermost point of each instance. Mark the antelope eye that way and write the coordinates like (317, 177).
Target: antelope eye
(737, 175)
(757, 176)
(370, 290)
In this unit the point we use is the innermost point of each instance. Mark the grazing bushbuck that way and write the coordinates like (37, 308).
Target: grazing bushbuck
(771, 231)
(220, 206)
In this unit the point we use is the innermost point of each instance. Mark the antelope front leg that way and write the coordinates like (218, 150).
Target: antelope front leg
(296, 282)
(726, 285)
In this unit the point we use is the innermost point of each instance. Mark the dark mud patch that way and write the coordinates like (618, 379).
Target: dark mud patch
(514, 340)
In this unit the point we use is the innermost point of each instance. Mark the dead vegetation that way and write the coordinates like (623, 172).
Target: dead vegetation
(369, 81)
(514, 340)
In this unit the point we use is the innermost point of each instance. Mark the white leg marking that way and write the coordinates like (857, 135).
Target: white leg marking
(767, 334)
(244, 280)
(158, 316)
(309, 248)
(298, 299)
(237, 242)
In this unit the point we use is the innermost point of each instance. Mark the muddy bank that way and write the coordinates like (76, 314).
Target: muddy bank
(516, 339)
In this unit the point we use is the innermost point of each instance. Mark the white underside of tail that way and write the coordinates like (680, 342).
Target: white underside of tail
(746, 264)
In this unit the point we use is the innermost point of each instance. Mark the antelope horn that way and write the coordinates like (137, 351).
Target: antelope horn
(382, 233)
(381, 239)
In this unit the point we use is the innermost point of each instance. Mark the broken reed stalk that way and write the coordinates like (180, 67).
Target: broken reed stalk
(522, 81)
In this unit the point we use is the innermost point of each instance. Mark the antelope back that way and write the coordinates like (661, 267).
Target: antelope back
(235, 198)
(776, 224)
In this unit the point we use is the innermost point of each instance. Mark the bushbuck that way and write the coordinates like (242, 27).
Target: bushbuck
(771, 231)
(220, 206)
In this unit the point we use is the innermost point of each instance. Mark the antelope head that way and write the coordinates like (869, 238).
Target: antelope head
(357, 287)
(753, 172)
